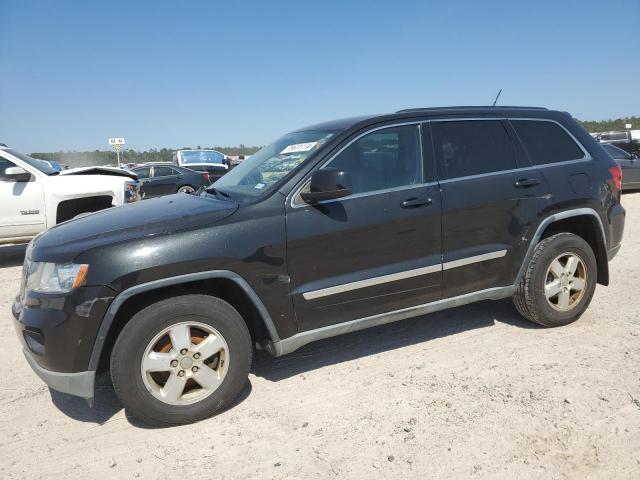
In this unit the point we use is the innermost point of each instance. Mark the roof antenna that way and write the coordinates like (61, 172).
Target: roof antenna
(496, 100)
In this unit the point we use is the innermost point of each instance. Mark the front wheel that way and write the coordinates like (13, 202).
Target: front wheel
(181, 360)
(559, 282)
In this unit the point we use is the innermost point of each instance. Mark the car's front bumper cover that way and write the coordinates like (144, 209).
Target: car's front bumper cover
(57, 333)
(79, 384)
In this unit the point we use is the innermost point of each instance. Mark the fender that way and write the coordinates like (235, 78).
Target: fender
(123, 296)
(548, 221)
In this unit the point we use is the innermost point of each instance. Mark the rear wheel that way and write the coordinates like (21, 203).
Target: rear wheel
(181, 360)
(186, 189)
(559, 282)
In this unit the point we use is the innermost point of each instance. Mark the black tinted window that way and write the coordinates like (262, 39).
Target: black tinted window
(4, 164)
(546, 142)
(383, 159)
(471, 148)
(162, 171)
(142, 172)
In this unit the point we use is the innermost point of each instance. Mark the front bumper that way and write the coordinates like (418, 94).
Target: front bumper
(79, 384)
(58, 331)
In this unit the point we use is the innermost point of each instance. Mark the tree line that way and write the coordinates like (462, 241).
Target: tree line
(616, 125)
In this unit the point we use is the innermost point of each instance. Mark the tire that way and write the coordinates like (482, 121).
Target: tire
(530, 299)
(186, 189)
(142, 393)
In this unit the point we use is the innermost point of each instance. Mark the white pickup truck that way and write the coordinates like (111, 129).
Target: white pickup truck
(34, 196)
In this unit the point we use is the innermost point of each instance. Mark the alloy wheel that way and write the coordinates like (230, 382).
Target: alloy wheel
(565, 282)
(185, 363)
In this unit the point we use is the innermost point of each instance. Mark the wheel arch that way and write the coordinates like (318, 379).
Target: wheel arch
(224, 284)
(584, 222)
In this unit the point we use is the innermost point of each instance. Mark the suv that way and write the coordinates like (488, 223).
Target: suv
(332, 228)
(34, 195)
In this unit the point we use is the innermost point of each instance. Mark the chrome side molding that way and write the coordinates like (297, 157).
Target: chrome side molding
(369, 282)
(288, 345)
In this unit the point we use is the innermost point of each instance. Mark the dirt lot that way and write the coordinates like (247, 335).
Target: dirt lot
(474, 391)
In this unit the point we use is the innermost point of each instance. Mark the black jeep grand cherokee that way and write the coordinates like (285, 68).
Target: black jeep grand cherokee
(330, 229)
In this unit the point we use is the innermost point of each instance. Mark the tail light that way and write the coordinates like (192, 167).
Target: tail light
(205, 175)
(616, 175)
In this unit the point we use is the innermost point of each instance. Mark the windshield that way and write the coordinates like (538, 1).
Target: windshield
(257, 174)
(201, 156)
(41, 165)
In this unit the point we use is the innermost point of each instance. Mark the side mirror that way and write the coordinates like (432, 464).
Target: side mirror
(327, 184)
(16, 174)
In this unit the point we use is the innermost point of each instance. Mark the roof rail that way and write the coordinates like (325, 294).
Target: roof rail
(501, 107)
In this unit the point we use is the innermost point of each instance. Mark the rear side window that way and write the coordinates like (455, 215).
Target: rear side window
(546, 142)
(162, 171)
(472, 147)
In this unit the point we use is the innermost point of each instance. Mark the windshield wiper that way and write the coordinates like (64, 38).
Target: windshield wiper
(216, 193)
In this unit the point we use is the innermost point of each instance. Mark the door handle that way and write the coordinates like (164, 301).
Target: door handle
(526, 182)
(415, 202)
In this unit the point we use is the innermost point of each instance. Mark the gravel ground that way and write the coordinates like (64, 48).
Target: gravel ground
(474, 391)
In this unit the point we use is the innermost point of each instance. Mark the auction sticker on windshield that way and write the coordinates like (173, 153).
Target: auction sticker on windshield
(299, 147)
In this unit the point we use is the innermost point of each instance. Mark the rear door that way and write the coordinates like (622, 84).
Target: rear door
(490, 195)
(376, 251)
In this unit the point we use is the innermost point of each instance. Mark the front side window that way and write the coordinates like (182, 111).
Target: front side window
(546, 142)
(472, 147)
(382, 159)
(40, 165)
(4, 164)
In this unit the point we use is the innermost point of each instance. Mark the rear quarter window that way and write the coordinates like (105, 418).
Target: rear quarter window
(546, 142)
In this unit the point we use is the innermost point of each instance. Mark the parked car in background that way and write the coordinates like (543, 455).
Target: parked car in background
(624, 140)
(34, 196)
(332, 228)
(212, 161)
(163, 179)
(629, 163)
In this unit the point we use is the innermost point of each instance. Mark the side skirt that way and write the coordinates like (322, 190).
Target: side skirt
(288, 345)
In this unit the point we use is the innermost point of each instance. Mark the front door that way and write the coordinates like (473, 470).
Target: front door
(375, 251)
(22, 205)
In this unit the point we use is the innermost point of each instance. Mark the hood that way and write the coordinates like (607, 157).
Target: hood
(119, 172)
(157, 216)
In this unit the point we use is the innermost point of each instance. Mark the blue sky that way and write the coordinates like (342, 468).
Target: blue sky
(177, 73)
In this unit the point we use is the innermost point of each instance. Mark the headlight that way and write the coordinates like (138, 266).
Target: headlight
(54, 277)
(131, 191)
